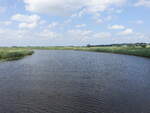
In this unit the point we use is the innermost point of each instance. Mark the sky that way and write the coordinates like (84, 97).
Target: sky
(73, 22)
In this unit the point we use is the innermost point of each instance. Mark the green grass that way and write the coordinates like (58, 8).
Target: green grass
(20, 52)
(13, 53)
(137, 51)
(129, 50)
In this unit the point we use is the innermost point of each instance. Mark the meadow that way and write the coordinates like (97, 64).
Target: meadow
(143, 51)
(136, 51)
(13, 53)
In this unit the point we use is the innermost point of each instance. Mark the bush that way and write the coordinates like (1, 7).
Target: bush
(143, 45)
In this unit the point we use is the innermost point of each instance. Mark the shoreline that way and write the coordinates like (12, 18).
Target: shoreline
(133, 51)
(9, 54)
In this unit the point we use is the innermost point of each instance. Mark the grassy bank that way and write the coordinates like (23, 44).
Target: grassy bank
(136, 51)
(20, 52)
(13, 53)
(129, 50)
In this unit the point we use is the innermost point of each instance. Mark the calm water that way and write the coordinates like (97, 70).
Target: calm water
(75, 82)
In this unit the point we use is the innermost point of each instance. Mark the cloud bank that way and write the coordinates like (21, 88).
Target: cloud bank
(68, 7)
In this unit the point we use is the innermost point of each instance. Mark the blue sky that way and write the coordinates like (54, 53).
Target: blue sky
(73, 22)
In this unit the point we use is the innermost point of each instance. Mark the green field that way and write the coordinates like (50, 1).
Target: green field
(129, 50)
(137, 51)
(14, 53)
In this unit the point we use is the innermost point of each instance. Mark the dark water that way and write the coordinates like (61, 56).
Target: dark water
(75, 82)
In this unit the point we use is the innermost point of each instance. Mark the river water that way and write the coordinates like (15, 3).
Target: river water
(75, 82)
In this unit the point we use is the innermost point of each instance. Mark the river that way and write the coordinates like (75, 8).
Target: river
(56, 81)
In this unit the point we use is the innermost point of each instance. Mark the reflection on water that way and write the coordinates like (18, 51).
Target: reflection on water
(75, 82)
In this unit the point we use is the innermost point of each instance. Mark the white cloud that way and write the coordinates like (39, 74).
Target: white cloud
(27, 25)
(57, 7)
(46, 37)
(80, 37)
(79, 33)
(48, 34)
(67, 21)
(138, 22)
(99, 21)
(80, 25)
(101, 5)
(1, 31)
(116, 27)
(5, 23)
(26, 18)
(65, 7)
(27, 37)
(102, 35)
(98, 18)
(126, 32)
(42, 22)
(109, 17)
(27, 21)
(145, 3)
(53, 25)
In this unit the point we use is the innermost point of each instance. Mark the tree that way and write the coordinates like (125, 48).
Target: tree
(143, 45)
(88, 45)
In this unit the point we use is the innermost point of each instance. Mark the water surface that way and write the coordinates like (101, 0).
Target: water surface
(75, 82)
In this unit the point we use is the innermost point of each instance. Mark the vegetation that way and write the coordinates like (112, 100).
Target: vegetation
(138, 49)
(14, 53)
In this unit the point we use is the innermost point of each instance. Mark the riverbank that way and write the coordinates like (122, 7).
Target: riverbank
(15, 53)
(136, 51)
(128, 50)
(7, 54)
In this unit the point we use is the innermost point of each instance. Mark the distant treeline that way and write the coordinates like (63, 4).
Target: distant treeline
(88, 45)
(123, 44)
